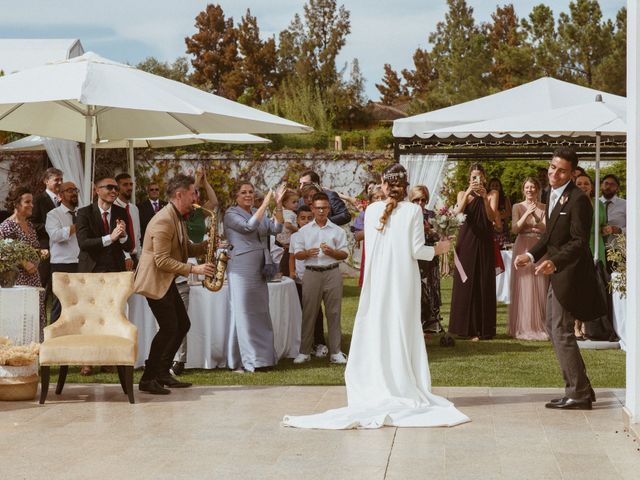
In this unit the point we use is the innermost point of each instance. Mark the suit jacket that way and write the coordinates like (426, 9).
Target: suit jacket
(146, 214)
(245, 233)
(339, 212)
(94, 256)
(42, 204)
(165, 251)
(566, 243)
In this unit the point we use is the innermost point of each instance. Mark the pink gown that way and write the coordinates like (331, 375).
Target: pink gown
(527, 310)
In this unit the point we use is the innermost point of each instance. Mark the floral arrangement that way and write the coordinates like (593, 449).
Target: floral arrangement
(617, 255)
(446, 222)
(17, 356)
(14, 252)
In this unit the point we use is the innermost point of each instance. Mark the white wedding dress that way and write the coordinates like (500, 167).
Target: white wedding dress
(387, 375)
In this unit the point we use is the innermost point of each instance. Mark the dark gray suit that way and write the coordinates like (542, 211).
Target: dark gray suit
(573, 292)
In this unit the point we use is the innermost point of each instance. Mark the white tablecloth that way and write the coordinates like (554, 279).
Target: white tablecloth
(209, 336)
(503, 281)
(620, 317)
(20, 314)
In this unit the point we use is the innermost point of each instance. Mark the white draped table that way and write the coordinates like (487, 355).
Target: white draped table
(208, 340)
(20, 314)
(503, 281)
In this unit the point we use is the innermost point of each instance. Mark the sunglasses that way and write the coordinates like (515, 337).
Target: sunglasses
(110, 187)
(154, 189)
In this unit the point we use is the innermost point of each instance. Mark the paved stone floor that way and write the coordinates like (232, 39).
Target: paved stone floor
(90, 431)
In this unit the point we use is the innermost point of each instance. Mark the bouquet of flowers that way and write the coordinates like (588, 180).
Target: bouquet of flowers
(14, 252)
(446, 223)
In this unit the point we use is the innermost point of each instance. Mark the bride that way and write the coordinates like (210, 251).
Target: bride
(387, 375)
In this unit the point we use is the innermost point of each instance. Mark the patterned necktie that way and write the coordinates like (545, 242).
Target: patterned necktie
(105, 223)
(131, 235)
(56, 202)
(155, 207)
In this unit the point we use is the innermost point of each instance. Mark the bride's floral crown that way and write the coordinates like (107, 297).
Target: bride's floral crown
(394, 176)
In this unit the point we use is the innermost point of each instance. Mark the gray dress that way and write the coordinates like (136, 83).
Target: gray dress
(252, 332)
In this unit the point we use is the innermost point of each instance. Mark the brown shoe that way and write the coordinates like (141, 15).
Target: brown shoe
(86, 371)
(108, 369)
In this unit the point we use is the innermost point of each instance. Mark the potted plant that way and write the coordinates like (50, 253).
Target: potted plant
(14, 254)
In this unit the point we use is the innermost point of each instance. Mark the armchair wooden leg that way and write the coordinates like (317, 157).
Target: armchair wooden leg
(62, 377)
(121, 377)
(44, 383)
(128, 377)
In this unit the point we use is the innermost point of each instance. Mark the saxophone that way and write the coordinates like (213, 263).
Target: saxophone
(220, 260)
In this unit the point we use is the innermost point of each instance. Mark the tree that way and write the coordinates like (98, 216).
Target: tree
(391, 87)
(215, 53)
(511, 57)
(350, 99)
(611, 73)
(178, 71)
(548, 57)
(420, 80)
(585, 38)
(259, 62)
(460, 57)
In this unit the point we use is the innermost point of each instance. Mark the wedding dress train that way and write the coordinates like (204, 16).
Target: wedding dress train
(387, 375)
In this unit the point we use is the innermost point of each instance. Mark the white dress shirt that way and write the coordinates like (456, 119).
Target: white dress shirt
(53, 197)
(312, 235)
(299, 263)
(63, 246)
(135, 218)
(106, 239)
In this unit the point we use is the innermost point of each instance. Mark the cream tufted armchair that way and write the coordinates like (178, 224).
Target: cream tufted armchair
(92, 328)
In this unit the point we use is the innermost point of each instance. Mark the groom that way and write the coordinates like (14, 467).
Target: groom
(573, 289)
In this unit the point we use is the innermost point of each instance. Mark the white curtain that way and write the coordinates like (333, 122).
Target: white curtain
(65, 155)
(426, 170)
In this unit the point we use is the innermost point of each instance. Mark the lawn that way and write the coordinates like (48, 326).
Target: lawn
(502, 362)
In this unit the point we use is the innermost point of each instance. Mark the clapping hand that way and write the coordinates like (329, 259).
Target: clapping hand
(199, 176)
(280, 193)
(120, 231)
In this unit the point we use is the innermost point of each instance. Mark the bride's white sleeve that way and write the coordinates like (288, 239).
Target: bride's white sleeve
(419, 250)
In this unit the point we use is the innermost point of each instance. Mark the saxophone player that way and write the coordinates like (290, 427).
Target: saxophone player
(165, 251)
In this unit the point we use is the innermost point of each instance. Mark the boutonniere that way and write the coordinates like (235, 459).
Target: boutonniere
(563, 199)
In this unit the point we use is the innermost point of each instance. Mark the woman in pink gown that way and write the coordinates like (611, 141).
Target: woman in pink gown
(527, 310)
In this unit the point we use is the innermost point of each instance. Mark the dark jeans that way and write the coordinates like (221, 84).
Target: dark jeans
(56, 307)
(44, 272)
(173, 323)
(318, 330)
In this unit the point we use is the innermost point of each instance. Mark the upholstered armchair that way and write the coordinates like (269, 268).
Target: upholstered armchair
(92, 328)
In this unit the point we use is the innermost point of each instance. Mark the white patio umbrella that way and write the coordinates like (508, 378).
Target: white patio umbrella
(90, 98)
(588, 119)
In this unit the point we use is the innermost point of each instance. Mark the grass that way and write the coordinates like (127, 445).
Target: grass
(502, 362)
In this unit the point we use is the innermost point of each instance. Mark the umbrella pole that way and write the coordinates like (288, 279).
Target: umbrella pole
(596, 203)
(88, 171)
(132, 171)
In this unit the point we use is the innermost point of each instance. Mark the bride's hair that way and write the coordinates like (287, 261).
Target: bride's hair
(396, 177)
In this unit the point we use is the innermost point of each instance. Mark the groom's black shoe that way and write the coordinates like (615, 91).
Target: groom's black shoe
(153, 387)
(563, 399)
(171, 382)
(570, 404)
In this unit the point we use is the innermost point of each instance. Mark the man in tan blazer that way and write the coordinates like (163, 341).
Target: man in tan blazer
(165, 251)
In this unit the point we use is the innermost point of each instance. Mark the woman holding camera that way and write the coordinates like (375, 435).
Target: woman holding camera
(473, 299)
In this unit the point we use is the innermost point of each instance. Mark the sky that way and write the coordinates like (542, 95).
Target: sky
(132, 30)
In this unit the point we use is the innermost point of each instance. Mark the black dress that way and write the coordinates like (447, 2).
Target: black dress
(430, 300)
(473, 303)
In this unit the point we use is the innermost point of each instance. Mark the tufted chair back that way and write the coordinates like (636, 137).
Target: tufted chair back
(92, 304)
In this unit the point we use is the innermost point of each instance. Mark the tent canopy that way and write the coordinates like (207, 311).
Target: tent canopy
(540, 95)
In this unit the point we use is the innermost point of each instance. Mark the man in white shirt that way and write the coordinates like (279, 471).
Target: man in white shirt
(63, 243)
(322, 245)
(616, 207)
(125, 182)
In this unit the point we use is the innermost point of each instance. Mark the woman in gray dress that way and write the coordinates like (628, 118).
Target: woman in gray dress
(248, 230)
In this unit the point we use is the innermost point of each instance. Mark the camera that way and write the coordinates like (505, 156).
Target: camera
(476, 178)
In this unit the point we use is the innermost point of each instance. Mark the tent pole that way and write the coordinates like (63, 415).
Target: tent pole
(88, 130)
(596, 203)
(132, 170)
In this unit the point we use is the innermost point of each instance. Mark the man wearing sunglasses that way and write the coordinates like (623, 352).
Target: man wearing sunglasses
(102, 231)
(149, 207)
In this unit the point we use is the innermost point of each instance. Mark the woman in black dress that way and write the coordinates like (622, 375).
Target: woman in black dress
(473, 300)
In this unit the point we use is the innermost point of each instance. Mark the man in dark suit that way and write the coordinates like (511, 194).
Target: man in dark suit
(102, 231)
(43, 203)
(573, 290)
(339, 212)
(149, 207)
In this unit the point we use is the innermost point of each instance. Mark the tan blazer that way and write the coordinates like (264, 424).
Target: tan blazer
(165, 251)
